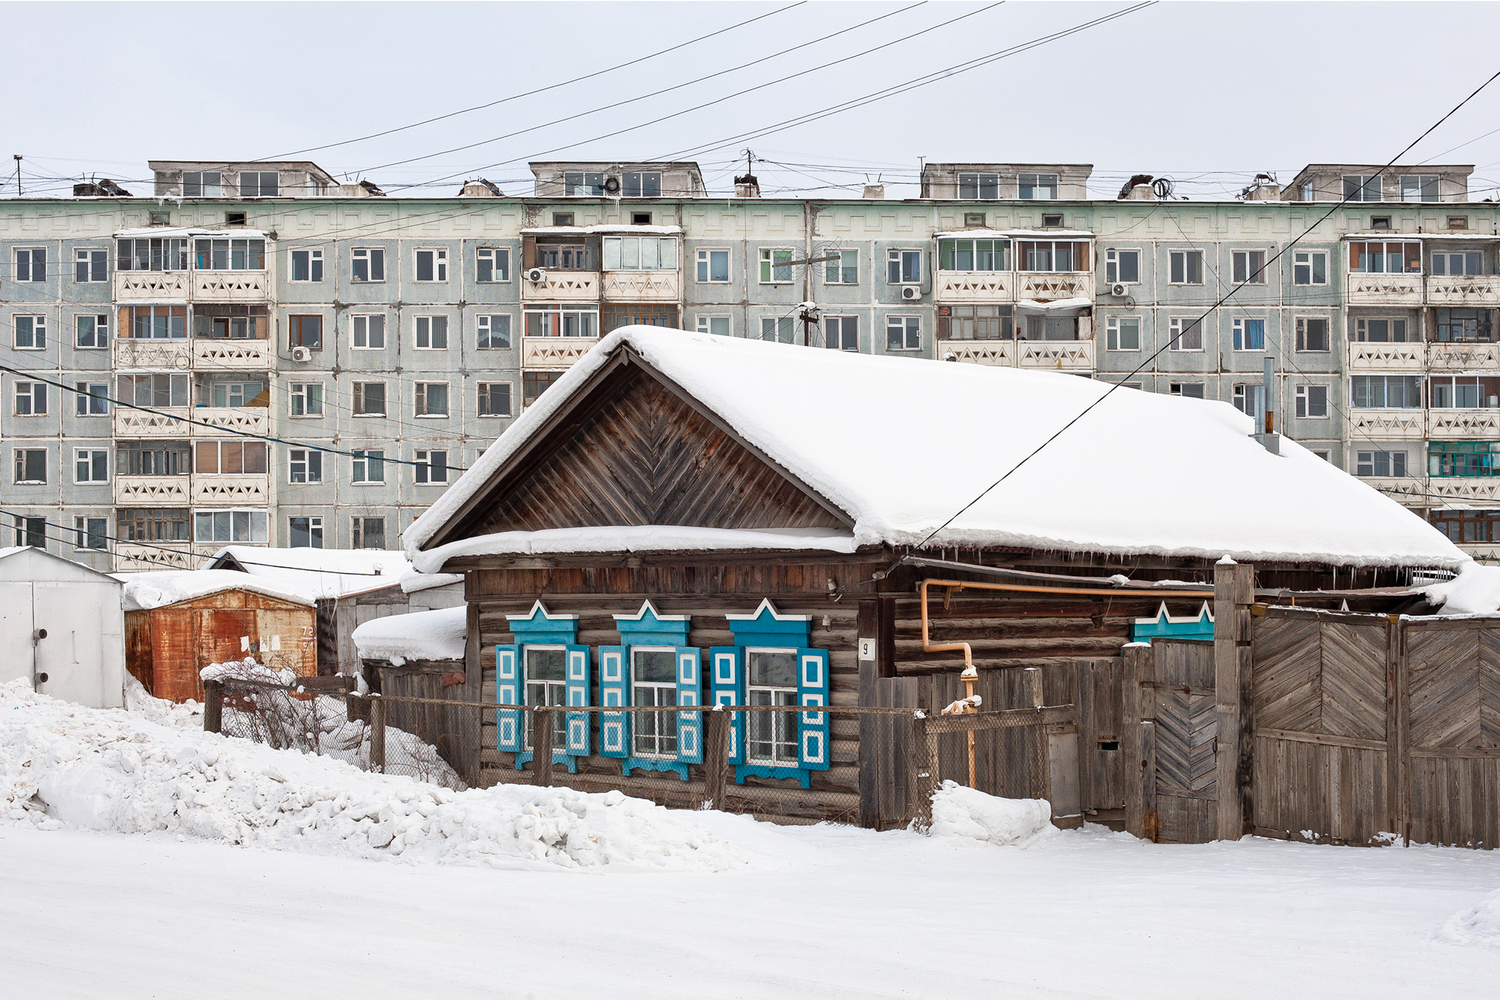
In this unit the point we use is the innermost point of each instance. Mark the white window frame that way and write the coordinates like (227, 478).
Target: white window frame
(422, 397)
(1185, 255)
(299, 392)
(30, 266)
(360, 333)
(906, 322)
(314, 530)
(657, 721)
(31, 392)
(1304, 399)
(978, 181)
(362, 459)
(1179, 324)
(374, 260)
(783, 744)
(206, 189)
(1240, 336)
(430, 470)
(93, 394)
(1239, 263)
(1112, 328)
(254, 519)
(1176, 389)
(1362, 329)
(842, 322)
(484, 330)
(1403, 186)
(83, 528)
(774, 325)
(428, 330)
(100, 334)
(438, 265)
(1366, 182)
(704, 267)
(499, 261)
(357, 529)
(1036, 181)
(38, 331)
(553, 692)
(1306, 260)
(306, 462)
(510, 399)
(260, 183)
(616, 252)
(1371, 461)
(897, 257)
(1112, 266)
(766, 256)
(834, 270)
(88, 460)
(87, 257)
(314, 263)
(20, 464)
(360, 401)
(707, 321)
(1299, 324)
(1244, 392)
(639, 179)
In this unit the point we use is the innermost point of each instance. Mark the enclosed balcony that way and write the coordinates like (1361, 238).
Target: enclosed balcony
(1367, 357)
(561, 286)
(642, 286)
(1067, 355)
(554, 352)
(1463, 290)
(1385, 273)
(978, 352)
(231, 286)
(152, 491)
(231, 491)
(167, 422)
(155, 556)
(151, 286)
(152, 336)
(973, 269)
(1388, 424)
(641, 267)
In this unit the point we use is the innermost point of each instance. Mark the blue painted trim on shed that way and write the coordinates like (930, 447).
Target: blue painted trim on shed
(1166, 626)
(767, 627)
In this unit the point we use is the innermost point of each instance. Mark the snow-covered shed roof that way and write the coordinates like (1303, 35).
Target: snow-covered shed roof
(1142, 474)
(420, 635)
(39, 564)
(157, 589)
(317, 573)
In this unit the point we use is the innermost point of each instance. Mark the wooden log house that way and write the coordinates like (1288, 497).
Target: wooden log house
(763, 516)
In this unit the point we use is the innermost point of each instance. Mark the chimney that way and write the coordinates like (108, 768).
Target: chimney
(1263, 188)
(746, 186)
(1138, 188)
(480, 188)
(875, 191)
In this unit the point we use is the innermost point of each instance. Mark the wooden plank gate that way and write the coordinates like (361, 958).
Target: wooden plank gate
(1171, 727)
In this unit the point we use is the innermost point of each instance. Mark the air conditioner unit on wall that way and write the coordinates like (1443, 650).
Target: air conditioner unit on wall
(302, 354)
(536, 275)
(1118, 288)
(910, 293)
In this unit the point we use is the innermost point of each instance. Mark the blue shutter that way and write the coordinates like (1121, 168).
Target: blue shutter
(614, 689)
(727, 683)
(813, 751)
(578, 696)
(689, 692)
(508, 692)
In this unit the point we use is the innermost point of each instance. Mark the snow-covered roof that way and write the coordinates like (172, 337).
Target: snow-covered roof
(1005, 234)
(413, 582)
(1142, 474)
(611, 228)
(146, 591)
(320, 573)
(175, 232)
(643, 538)
(420, 635)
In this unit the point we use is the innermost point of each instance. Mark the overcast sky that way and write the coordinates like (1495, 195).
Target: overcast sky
(1208, 94)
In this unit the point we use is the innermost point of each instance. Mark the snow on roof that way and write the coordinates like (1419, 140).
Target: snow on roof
(420, 635)
(321, 573)
(413, 581)
(612, 228)
(641, 538)
(1142, 474)
(146, 591)
(997, 234)
(164, 232)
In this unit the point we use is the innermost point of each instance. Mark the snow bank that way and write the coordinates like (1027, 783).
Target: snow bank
(1475, 591)
(106, 769)
(968, 816)
(419, 635)
(173, 715)
(1478, 926)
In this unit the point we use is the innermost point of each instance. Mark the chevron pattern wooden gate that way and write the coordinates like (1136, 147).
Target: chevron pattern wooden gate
(1173, 695)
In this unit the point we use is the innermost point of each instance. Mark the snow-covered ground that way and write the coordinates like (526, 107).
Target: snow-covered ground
(520, 892)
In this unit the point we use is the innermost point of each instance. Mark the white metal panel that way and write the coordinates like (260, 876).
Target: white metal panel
(82, 655)
(15, 631)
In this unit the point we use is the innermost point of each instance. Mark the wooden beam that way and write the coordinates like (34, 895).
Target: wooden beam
(1234, 592)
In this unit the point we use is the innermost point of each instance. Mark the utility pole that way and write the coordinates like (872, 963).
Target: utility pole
(17, 158)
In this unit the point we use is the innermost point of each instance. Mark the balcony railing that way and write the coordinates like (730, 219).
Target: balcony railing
(1385, 289)
(562, 286)
(156, 355)
(212, 353)
(973, 286)
(243, 419)
(157, 555)
(1407, 490)
(642, 286)
(1388, 424)
(151, 491)
(1068, 355)
(1386, 357)
(151, 286)
(1446, 424)
(1463, 290)
(1461, 488)
(554, 352)
(1462, 356)
(1486, 553)
(979, 352)
(231, 491)
(231, 286)
(157, 424)
(1045, 286)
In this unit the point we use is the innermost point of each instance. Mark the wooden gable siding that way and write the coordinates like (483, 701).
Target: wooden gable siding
(645, 456)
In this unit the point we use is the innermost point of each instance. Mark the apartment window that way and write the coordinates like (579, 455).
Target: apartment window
(200, 184)
(562, 218)
(1309, 267)
(234, 218)
(1463, 392)
(1036, 187)
(259, 184)
(229, 255)
(1052, 256)
(640, 253)
(492, 264)
(1463, 458)
(369, 532)
(31, 333)
(1186, 333)
(90, 465)
(781, 329)
(305, 331)
(561, 321)
(236, 393)
(92, 331)
(231, 322)
(151, 524)
(1312, 333)
(494, 399)
(91, 532)
(228, 526)
(1378, 392)
(154, 390)
(640, 218)
(432, 399)
(1249, 335)
(1380, 330)
(533, 384)
(1419, 187)
(841, 332)
(1248, 267)
(307, 399)
(369, 399)
(713, 265)
(1467, 526)
(975, 323)
(493, 332)
(369, 467)
(903, 267)
(1051, 220)
(31, 264)
(589, 184)
(92, 399)
(230, 458)
(1362, 187)
(153, 458)
(432, 264)
(641, 184)
(563, 257)
(431, 467)
(1122, 333)
(1312, 401)
(775, 266)
(616, 315)
(307, 265)
(90, 264)
(719, 326)
(432, 333)
(31, 399)
(1185, 267)
(31, 466)
(1192, 390)
(1455, 264)
(153, 322)
(304, 532)
(31, 531)
(164, 254)
(1465, 325)
(1122, 266)
(1250, 399)
(903, 333)
(367, 333)
(843, 269)
(367, 264)
(979, 187)
(305, 465)
(973, 255)
(1385, 464)
(1380, 257)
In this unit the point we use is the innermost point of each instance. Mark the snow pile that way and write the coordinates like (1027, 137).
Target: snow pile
(1478, 926)
(156, 589)
(248, 670)
(419, 635)
(174, 715)
(1475, 591)
(62, 764)
(968, 816)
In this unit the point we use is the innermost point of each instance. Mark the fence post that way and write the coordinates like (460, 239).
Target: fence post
(1234, 592)
(213, 706)
(715, 758)
(541, 743)
(1398, 730)
(377, 735)
(1041, 759)
(1130, 737)
(1150, 821)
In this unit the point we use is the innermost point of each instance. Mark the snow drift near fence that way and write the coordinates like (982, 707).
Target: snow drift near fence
(1478, 926)
(106, 769)
(971, 817)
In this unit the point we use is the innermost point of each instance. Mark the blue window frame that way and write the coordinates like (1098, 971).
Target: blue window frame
(545, 666)
(652, 666)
